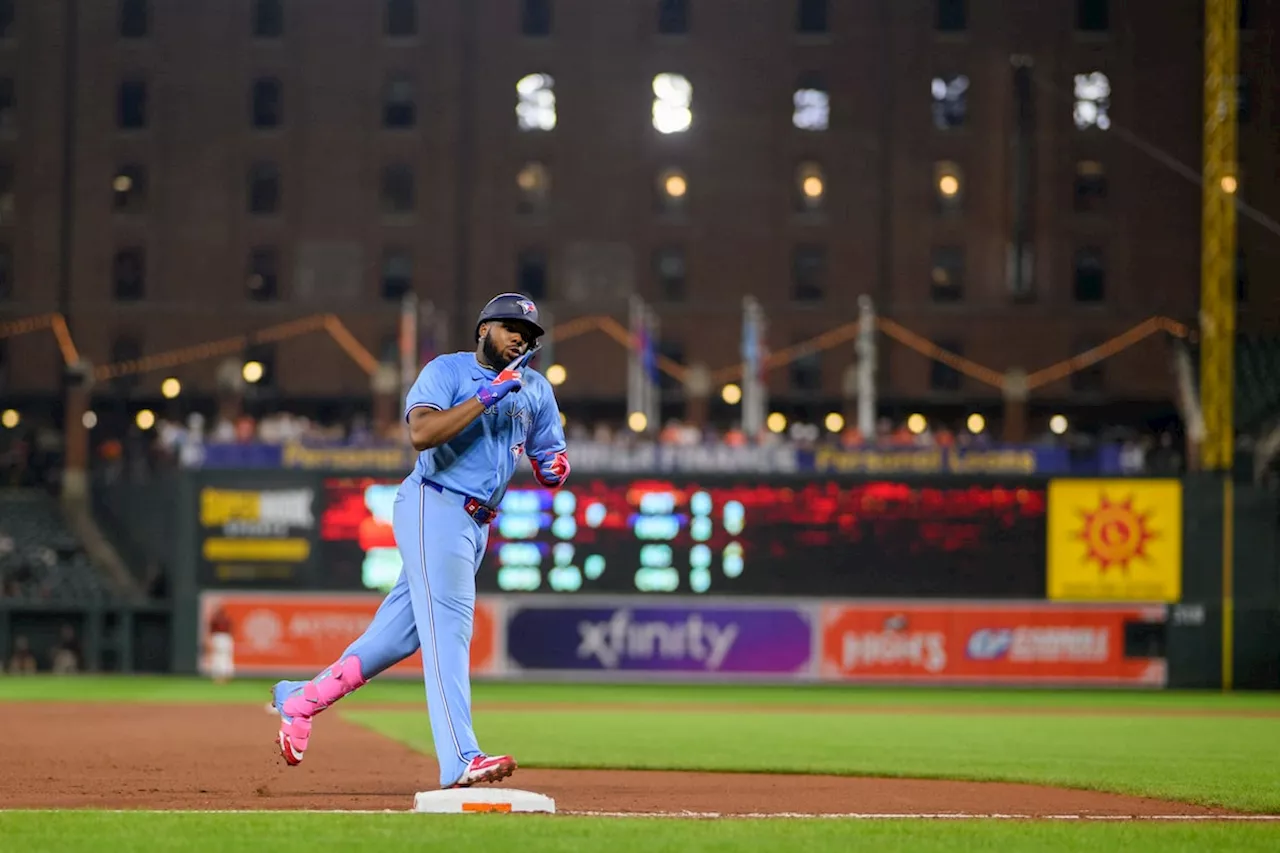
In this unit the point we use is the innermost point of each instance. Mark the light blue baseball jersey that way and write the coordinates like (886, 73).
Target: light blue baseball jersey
(480, 460)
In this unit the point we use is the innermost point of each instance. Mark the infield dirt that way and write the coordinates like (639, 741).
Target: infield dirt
(223, 757)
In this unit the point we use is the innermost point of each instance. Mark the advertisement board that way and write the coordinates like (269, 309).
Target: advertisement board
(1115, 540)
(254, 537)
(281, 634)
(990, 643)
(757, 640)
(722, 536)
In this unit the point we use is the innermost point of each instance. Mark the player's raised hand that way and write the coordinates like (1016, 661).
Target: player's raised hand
(507, 381)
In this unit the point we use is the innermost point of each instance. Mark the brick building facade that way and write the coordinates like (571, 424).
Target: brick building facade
(238, 163)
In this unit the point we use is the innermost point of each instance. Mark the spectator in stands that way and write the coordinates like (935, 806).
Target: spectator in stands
(22, 662)
(66, 657)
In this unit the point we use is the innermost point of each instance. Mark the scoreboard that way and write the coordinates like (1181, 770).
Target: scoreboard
(721, 535)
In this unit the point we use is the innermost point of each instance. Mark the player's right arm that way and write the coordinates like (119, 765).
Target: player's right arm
(432, 421)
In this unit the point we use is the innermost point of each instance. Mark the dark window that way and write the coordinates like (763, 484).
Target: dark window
(1245, 11)
(397, 188)
(129, 274)
(397, 274)
(671, 271)
(673, 350)
(401, 18)
(129, 190)
(535, 18)
(268, 19)
(6, 272)
(126, 348)
(1090, 186)
(1090, 275)
(135, 19)
(8, 112)
(1244, 101)
(1089, 379)
(262, 281)
(808, 273)
(531, 273)
(811, 16)
(673, 17)
(946, 279)
(4, 363)
(268, 103)
(806, 372)
(131, 105)
(6, 19)
(952, 16)
(389, 349)
(264, 188)
(1093, 15)
(399, 108)
(942, 376)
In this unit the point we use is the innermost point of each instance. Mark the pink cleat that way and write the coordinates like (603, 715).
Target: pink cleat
(298, 701)
(486, 768)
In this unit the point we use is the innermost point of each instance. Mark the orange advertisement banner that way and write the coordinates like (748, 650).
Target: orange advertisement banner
(282, 633)
(989, 644)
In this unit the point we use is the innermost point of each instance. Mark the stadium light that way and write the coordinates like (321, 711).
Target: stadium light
(949, 185)
(637, 421)
(1230, 184)
(252, 371)
(170, 388)
(10, 418)
(556, 374)
(917, 424)
(89, 419)
(731, 394)
(834, 422)
(1058, 424)
(776, 422)
(977, 423)
(146, 419)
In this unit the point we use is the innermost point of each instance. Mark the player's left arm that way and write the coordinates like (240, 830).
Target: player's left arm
(545, 445)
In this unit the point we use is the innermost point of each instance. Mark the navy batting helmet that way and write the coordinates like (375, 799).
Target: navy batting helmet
(511, 306)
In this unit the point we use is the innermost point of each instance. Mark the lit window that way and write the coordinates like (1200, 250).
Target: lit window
(129, 188)
(950, 100)
(672, 103)
(811, 187)
(1093, 101)
(948, 180)
(536, 107)
(811, 105)
(672, 190)
(533, 182)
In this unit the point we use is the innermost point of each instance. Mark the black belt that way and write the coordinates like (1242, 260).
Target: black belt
(474, 507)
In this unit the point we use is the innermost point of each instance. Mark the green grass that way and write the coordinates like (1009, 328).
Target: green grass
(1175, 745)
(90, 831)
(1207, 760)
(90, 688)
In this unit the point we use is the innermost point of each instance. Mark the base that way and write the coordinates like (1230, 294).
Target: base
(470, 800)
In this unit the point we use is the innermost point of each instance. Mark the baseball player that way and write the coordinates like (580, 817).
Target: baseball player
(471, 416)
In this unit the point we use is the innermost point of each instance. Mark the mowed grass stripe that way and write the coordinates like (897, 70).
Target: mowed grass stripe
(1233, 764)
(94, 831)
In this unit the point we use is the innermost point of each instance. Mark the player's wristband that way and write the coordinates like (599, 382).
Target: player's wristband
(486, 396)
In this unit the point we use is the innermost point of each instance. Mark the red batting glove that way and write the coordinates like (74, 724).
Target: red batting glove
(553, 472)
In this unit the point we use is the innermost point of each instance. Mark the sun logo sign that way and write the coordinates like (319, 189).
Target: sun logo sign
(1116, 533)
(1115, 540)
